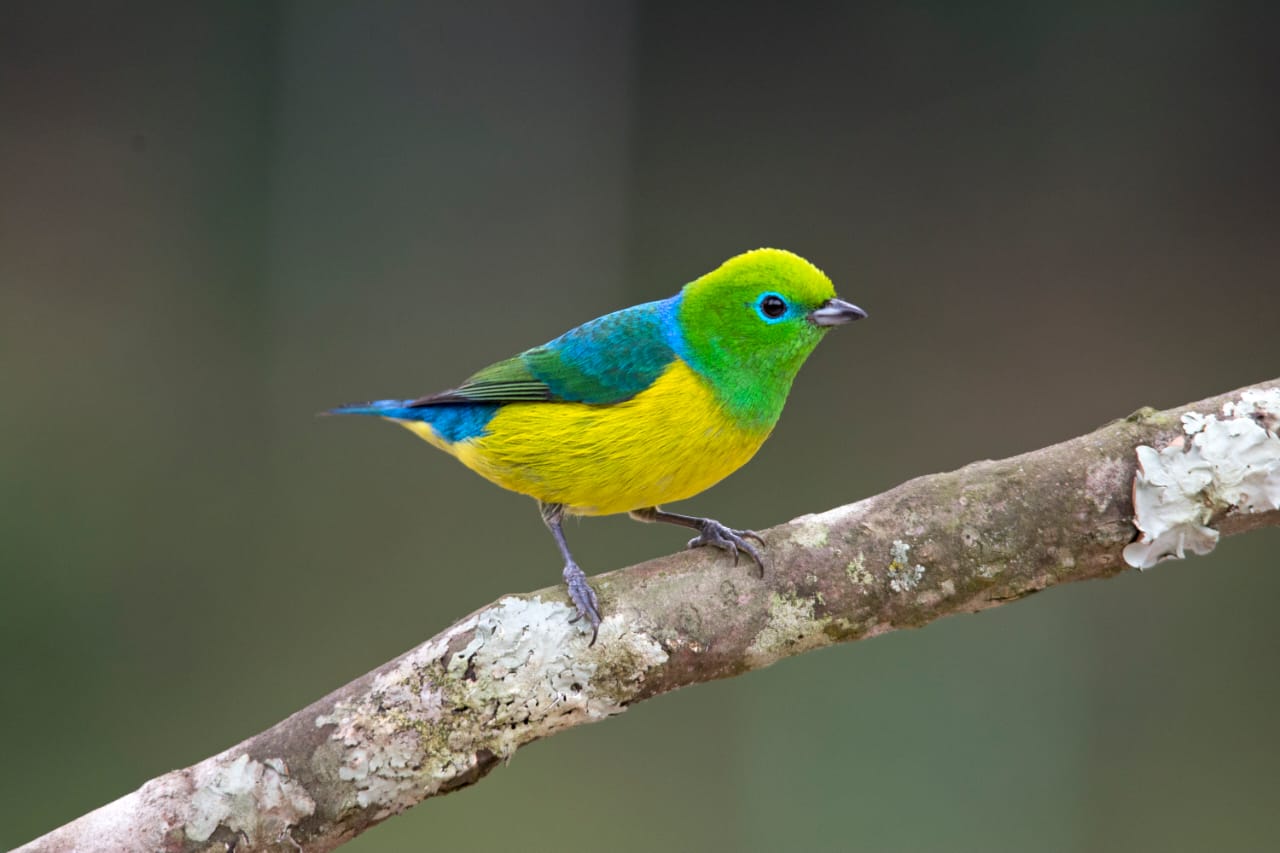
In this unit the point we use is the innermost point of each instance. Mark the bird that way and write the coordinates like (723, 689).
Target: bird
(641, 407)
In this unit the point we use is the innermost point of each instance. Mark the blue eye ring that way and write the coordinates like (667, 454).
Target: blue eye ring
(771, 307)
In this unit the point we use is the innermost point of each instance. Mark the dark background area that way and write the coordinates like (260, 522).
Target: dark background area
(217, 219)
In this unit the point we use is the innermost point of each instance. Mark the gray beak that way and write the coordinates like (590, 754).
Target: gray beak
(836, 312)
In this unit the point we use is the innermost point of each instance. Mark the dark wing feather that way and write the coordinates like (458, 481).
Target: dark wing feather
(505, 382)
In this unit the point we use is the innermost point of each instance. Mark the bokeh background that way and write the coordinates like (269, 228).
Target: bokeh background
(219, 218)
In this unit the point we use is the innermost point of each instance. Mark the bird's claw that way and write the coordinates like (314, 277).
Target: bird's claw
(712, 532)
(584, 599)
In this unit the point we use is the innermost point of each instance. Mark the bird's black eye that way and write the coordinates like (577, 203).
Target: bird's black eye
(772, 306)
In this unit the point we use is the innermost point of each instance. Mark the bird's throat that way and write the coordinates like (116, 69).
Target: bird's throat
(753, 399)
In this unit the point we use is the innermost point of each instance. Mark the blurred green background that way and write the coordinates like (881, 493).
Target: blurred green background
(217, 219)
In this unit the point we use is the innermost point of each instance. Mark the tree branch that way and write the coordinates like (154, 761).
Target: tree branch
(444, 714)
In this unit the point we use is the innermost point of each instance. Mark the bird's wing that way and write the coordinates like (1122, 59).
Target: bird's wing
(507, 381)
(607, 360)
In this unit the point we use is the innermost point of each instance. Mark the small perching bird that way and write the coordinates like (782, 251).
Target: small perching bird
(644, 406)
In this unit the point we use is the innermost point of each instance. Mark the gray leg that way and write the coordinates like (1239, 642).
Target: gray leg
(583, 596)
(710, 532)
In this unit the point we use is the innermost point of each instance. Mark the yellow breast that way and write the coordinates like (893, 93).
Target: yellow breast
(667, 443)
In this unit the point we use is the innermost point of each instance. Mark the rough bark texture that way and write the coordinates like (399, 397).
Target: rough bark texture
(444, 714)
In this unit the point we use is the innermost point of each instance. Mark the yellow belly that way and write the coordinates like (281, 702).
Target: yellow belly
(667, 443)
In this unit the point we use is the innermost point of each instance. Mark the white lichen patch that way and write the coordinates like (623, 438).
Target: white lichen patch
(382, 734)
(256, 798)
(1228, 464)
(790, 629)
(1262, 405)
(525, 673)
(903, 577)
(530, 661)
(906, 578)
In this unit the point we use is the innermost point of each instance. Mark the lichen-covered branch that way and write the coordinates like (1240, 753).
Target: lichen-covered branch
(444, 714)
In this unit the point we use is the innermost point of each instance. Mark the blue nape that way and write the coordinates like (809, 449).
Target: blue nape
(453, 421)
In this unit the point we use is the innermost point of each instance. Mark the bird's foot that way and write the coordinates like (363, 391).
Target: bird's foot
(712, 532)
(584, 598)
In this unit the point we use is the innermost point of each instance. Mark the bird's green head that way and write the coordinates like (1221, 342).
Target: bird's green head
(751, 323)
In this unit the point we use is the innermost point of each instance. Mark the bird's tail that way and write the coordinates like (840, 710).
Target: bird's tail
(380, 408)
(440, 424)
